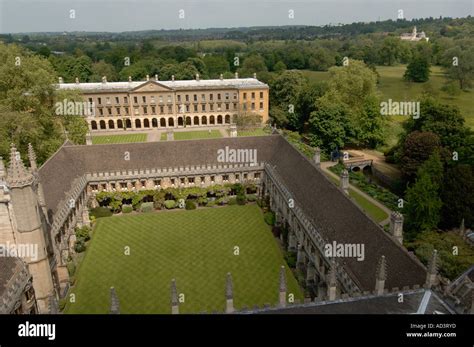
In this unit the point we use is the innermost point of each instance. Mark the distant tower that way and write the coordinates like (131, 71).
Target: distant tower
(29, 227)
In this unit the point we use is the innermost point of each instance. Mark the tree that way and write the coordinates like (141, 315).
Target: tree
(216, 65)
(457, 193)
(418, 70)
(459, 65)
(423, 207)
(390, 50)
(416, 149)
(101, 69)
(279, 66)
(252, 64)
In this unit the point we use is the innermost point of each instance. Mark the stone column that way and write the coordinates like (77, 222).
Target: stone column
(283, 288)
(396, 226)
(291, 241)
(174, 298)
(233, 130)
(88, 138)
(300, 257)
(345, 181)
(381, 276)
(229, 294)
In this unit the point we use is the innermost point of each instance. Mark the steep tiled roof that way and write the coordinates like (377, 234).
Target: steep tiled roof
(338, 218)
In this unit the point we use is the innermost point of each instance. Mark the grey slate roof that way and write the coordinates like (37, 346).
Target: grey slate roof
(235, 83)
(386, 304)
(327, 206)
(8, 268)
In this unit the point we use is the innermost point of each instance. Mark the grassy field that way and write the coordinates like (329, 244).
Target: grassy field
(253, 132)
(126, 138)
(194, 247)
(193, 135)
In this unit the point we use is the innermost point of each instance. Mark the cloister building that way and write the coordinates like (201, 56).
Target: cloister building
(44, 205)
(155, 104)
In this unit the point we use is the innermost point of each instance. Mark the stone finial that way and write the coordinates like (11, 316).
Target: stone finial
(88, 138)
(283, 288)
(197, 77)
(147, 77)
(229, 294)
(462, 228)
(381, 276)
(32, 158)
(17, 174)
(221, 77)
(396, 226)
(77, 80)
(60, 80)
(172, 77)
(345, 181)
(332, 281)
(432, 273)
(130, 78)
(255, 75)
(236, 75)
(114, 302)
(104, 79)
(156, 78)
(317, 156)
(174, 298)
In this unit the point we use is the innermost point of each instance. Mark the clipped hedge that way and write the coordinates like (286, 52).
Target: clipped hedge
(190, 205)
(146, 207)
(269, 218)
(170, 204)
(127, 208)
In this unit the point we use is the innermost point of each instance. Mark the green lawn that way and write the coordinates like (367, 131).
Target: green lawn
(125, 138)
(199, 134)
(163, 137)
(253, 132)
(194, 247)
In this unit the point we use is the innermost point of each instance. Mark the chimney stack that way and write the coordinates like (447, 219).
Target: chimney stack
(432, 273)
(396, 226)
(345, 181)
(381, 276)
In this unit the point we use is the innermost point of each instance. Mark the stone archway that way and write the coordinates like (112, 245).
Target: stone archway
(170, 122)
(212, 120)
(204, 120)
(219, 119)
(102, 124)
(180, 121)
(196, 120)
(138, 123)
(119, 124)
(162, 122)
(227, 119)
(154, 123)
(111, 124)
(128, 123)
(94, 125)
(146, 123)
(188, 121)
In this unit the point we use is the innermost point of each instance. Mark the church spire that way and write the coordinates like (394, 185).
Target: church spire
(18, 175)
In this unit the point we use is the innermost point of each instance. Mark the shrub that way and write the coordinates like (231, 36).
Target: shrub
(290, 258)
(232, 201)
(62, 303)
(100, 212)
(83, 233)
(80, 246)
(169, 204)
(127, 208)
(146, 207)
(251, 197)
(222, 201)
(241, 199)
(190, 205)
(269, 218)
(211, 203)
(71, 268)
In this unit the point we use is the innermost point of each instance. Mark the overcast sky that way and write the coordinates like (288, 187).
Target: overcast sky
(129, 15)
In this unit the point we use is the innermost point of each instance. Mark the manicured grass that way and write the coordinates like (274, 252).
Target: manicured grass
(194, 247)
(163, 137)
(126, 138)
(199, 134)
(253, 132)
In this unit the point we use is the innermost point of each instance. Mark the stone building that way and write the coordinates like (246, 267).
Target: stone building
(155, 104)
(45, 205)
(17, 295)
(414, 36)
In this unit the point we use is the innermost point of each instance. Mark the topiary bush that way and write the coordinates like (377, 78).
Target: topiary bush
(127, 208)
(146, 207)
(251, 197)
(100, 212)
(190, 205)
(170, 204)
